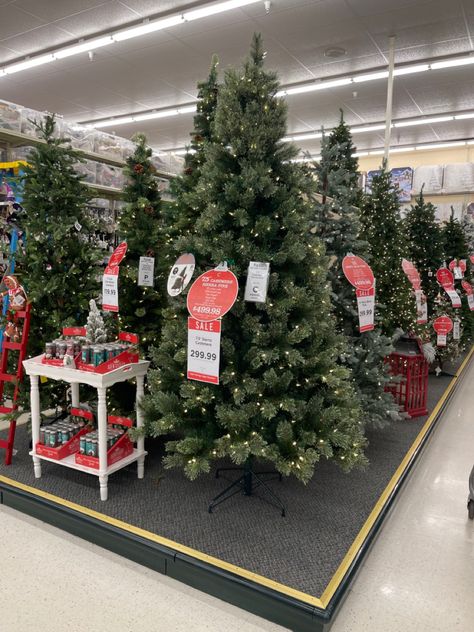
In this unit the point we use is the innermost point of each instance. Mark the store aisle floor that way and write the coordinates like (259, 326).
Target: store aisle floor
(418, 576)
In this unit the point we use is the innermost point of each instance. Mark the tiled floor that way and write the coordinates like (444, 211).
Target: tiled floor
(418, 576)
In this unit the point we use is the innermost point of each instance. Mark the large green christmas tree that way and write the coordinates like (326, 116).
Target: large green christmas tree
(139, 225)
(59, 268)
(179, 216)
(425, 245)
(282, 396)
(383, 228)
(338, 225)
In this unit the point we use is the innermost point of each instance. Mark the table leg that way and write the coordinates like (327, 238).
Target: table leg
(75, 394)
(141, 440)
(102, 425)
(35, 421)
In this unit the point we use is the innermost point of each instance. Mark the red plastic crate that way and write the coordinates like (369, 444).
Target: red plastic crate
(62, 451)
(122, 448)
(410, 390)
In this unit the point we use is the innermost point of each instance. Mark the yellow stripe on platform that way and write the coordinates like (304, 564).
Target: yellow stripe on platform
(339, 575)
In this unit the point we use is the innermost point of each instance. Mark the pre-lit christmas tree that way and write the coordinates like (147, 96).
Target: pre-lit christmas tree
(383, 228)
(179, 216)
(425, 245)
(139, 225)
(338, 225)
(468, 227)
(282, 396)
(59, 267)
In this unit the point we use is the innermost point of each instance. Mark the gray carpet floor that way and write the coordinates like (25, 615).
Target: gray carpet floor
(302, 550)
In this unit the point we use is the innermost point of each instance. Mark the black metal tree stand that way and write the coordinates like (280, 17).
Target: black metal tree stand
(247, 483)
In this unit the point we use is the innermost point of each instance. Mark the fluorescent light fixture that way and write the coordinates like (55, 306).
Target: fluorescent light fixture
(299, 137)
(441, 145)
(460, 117)
(368, 128)
(325, 85)
(187, 109)
(155, 115)
(83, 47)
(423, 121)
(214, 9)
(28, 63)
(360, 154)
(377, 152)
(147, 27)
(401, 150)
(410, 70)
(452, 63)
(372, 76)
(123, 120)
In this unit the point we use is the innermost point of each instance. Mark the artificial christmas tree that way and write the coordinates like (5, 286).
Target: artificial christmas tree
(59, 267)
(179, 217)
(425, 245)
(337, 223)
(383, 228)
(468, 227)
(139, 225)
(282, 396)
(96, 331)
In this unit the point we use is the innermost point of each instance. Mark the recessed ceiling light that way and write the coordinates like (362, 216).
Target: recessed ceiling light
(335, 52)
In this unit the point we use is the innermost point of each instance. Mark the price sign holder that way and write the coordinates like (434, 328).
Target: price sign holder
(204, 343)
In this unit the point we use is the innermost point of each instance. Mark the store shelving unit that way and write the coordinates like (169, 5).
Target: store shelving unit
(35, 368)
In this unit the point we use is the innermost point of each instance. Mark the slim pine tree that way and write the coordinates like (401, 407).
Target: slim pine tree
(282, 395)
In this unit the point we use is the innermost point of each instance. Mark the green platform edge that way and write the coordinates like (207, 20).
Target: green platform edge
(239, 591)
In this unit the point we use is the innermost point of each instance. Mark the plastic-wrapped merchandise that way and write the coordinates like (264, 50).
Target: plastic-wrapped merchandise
(443, 211)
(88, 169)
(28, 120)
(110, 176)
(431, 176)
(128, 148)
(459, 177)
(81, 136)
(10, 116)
(108, 145)
(20, 153)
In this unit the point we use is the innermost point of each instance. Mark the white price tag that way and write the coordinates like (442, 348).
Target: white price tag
(146, 271)
(366, 308)
(470, 301)
(456, 330)
(441, 340)
(257, 282)
(454, 296)
(110, 290)
(421, 308)
(204, 344)
(457, 272)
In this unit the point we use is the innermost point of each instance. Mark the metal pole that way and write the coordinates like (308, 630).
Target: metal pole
(388, 112)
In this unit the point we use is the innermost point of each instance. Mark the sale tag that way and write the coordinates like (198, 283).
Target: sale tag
(442, 325)
(458, 267)
(441, 340)
(212, 294)
(181, 274)
(421, 307)
(357, 272)
(412, 274)
(470, 301)
(445, 277)
(366, 308)
(118, 254)
(457, 330)
(454, 296)
(204, 343)
(257, 282)
(110, 289)
(145, 271)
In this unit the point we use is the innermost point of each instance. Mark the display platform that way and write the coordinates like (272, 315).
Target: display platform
(293, 570)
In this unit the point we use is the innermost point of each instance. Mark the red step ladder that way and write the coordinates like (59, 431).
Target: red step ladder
(22, 319)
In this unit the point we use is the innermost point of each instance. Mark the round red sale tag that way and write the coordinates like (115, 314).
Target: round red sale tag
(358, 272)
(445, 277)
(443, 325)
(461, 263)
(212, 294)
(118, 254)
(467, 287)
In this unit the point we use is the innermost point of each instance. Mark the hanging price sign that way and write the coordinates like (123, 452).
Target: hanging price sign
(442, 325)
(204, 342)
(212, 294)
(181, 274)
(446, 280)
(360, 275)
(421, 307)
(110, 279)
(457, 329)
(470, 294)
(458, 268)
(412, 274)
(146, 268)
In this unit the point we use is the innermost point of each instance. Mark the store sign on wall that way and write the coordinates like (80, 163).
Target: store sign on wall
(360, 275)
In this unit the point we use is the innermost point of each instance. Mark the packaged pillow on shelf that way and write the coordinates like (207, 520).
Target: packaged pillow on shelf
(110, 176)
(108, 145)
(160, 161)
(10, 116)
(431, 176)
(459, 177)
(81, 136)
(88, 169)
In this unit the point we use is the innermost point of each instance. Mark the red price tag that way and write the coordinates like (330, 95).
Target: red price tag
(358, 272)
(212, 295)
(443, 325)
(118, 254)
(445, 277)
(412, 274)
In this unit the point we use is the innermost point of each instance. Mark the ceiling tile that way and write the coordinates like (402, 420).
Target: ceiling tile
(51, 10)
(150, 7)
(14, 21)
(37, 39)
(104, 17)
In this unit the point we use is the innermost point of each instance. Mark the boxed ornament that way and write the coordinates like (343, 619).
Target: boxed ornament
(119, 445)
(10, 116)
(62, 438)
(108, 145)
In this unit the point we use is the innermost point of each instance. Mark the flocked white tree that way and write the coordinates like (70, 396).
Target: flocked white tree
(95, 325)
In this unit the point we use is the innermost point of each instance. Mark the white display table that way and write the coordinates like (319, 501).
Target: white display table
(34, 368)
